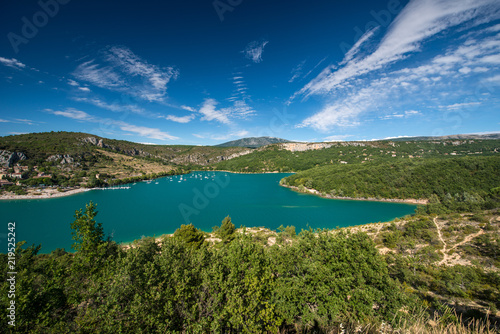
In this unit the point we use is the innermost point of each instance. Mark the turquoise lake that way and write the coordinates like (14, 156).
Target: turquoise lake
(203, 198)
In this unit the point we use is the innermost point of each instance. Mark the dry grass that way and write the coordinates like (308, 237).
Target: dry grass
(123, 166)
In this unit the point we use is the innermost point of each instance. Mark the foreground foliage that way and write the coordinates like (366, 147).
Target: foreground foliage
(183, 285)
(316, 281)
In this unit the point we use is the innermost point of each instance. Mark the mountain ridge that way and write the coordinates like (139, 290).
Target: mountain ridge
(253, 142)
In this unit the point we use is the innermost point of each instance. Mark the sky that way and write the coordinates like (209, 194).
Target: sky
(203, 72)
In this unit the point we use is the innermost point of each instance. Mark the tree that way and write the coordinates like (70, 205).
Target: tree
(226, 230)
(87, 233)
(190, 235)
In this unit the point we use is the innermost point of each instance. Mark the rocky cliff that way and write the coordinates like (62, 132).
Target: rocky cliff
(9, 159)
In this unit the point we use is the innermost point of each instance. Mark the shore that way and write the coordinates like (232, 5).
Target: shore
(43, 194)
(233, 172)
(317, 193)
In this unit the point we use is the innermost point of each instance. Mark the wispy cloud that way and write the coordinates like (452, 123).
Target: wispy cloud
(350, 92)
(116, 107)
(142, 131)
(188, 108)
(297, 71)
(13, 63)
(405, 114)
(417, 22)
(254, 50)
(119, 69)
(179, 119)
(240, 109)
(73, 83)
(336, 138)
(146, 132)
(210, 113)
(357, 47)
(73, 114)
(457, 106)
(20, 121)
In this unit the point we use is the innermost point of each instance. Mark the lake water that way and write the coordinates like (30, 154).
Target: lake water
(203, 198)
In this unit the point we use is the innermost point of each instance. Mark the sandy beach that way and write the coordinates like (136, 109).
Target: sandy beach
(43, 194)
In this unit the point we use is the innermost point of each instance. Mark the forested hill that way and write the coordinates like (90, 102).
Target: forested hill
(39, 146)
(294, 157)
(458, 184)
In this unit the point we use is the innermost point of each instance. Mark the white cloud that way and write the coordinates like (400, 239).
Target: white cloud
(183, 119)
(146, 132)
(254, 50)
(210, 113)
(188, 108)
(333, 115)
(465, 70)
(113, 106)
(494, 79)
(336, 138)
(73, 83)
(84, 89)
(240, 109)
(19, 121)
(119, 69)
(73, 114)
(350, 92)
(297, 71)
(143, 131)
(405, 114)
(13, 63)
(457, 106)
(357, 47)
(417, 22)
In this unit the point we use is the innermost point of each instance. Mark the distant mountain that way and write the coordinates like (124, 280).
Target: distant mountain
(450, 137)
(253, 142)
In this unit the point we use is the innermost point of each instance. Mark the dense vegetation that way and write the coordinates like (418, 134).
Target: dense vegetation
(184, 285)
(453, 184)
(38, 146)
(317, 281)
(274, 158)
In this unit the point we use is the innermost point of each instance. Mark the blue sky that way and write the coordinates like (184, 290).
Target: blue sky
(205, 71)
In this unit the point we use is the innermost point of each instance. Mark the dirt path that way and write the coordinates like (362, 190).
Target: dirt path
(455, 257)
(379, 228)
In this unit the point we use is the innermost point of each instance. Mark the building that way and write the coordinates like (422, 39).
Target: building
(4, 183)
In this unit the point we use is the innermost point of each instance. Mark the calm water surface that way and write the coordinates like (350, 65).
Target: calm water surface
(203, 198)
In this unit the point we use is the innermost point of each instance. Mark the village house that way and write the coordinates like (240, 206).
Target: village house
(42, 175)
(4, 183)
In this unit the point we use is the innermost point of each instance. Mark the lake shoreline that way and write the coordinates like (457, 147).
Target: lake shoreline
(369, 199)
(229, 171)
(46, 193)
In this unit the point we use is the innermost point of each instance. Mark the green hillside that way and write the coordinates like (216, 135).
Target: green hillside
(458, 183)
(277, 158)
